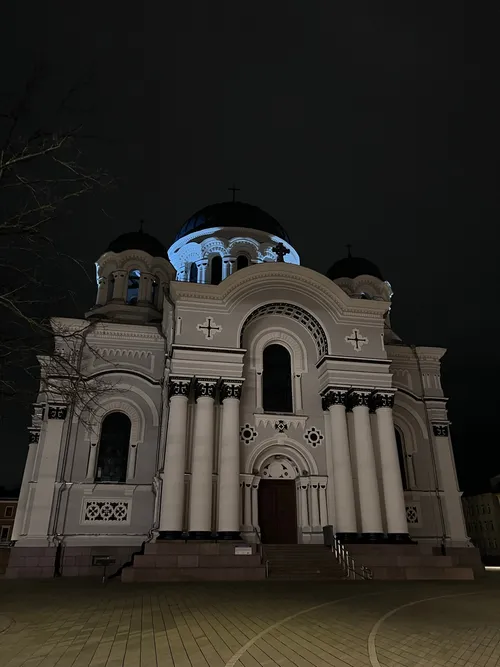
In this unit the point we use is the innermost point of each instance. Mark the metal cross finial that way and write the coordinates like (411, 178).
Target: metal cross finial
(281, 251)
(141, 225)
(349, 246)
(234, 190)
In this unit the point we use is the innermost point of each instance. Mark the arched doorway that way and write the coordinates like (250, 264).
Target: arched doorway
(277, 503)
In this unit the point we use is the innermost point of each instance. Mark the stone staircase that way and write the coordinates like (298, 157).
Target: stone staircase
(195, 561)
(311, 562)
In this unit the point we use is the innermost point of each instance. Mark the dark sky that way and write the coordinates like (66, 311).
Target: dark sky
(368, 123)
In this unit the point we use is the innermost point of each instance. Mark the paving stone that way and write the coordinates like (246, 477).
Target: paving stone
(77, 623)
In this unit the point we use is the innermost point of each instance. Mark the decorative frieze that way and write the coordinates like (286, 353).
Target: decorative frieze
(205, 387)
(231, 389)
(178, 386)
(106, 510)
(440, 430)
(57, 412)
(281, 422)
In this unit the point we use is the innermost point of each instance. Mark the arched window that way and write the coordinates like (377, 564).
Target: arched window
(154, 292)
(241, 262)
(113, 448)
(111, 287)
(401, 457)
(277, 379)
(216, 270)
(134, 278)
(193, 273)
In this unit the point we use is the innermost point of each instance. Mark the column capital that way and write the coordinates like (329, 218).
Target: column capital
(359, 398)
(178, 386)
(382, 399)
(57, 411)
(34, 436)
(205, 387)
(230, 389)
(333, 396)
(441, 430)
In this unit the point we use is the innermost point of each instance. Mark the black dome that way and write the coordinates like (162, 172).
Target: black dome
(352, 267)
(232, 214)
(139, 241)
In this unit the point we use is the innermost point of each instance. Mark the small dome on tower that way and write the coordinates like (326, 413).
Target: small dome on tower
(138, 241)
(352, 267)
(232, 214)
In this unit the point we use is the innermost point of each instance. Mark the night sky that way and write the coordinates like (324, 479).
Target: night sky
(374, 124)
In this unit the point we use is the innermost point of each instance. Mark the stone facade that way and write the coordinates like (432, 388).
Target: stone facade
(365, 443)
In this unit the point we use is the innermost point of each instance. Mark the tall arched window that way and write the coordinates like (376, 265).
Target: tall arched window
(241, 262)
(113, 448)
(216, 270)
(401, 457)
(193, 273)
(111, 286)
(134, 278)
(277, 379)
(154, 292)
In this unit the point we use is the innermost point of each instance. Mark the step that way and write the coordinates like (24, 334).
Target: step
(130, 574)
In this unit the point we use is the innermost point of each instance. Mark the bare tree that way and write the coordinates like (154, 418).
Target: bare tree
(42, 171)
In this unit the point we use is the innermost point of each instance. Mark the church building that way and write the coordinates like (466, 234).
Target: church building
(246, 400)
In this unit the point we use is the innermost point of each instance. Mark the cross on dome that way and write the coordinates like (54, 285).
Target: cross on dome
(281, 251)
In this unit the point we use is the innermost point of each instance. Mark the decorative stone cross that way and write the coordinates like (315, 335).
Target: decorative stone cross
(356, 340)
(281, 251)
(209, 327)
(234, 190)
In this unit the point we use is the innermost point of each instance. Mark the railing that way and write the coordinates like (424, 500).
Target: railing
(260, 551)
(345, 559)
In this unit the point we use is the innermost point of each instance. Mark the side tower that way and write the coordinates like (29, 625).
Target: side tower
(88, 484)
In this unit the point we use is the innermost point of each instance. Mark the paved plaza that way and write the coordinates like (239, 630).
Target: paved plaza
(73, 623)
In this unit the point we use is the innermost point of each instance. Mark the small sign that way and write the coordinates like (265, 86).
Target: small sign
(243, 551)
(103, 561)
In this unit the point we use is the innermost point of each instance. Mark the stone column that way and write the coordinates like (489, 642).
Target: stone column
(452, 505)
(102, 291)
(255, 503)
(17, 529)
(120, 285)
(394, 500)
(132, 456)
(172, 494)
(369, 499)
(91, 463)
(323, 507)
(343, 487)
(314, 504)
(298, 393)
(258, 391)
(48, 451)
(200, 500)
(303, 485)
(202, 265)
(228, 515)
(228, 266)
(247, 503)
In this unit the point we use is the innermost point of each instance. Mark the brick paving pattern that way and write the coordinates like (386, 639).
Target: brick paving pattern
(76, 623)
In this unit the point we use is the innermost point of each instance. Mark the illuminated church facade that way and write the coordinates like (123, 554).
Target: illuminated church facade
(249, 397)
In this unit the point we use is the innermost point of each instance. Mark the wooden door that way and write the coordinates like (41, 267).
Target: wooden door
(277, 511)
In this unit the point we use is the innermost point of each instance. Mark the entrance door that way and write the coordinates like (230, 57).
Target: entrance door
(277, 511)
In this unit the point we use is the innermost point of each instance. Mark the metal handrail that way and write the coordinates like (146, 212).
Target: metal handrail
(347, 562)
(261, 551)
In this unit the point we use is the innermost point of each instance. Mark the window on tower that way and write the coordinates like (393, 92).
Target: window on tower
(134, 279)
(241, 262)
(277, 379)
(216, 270)
(113, 448)
(193, 273)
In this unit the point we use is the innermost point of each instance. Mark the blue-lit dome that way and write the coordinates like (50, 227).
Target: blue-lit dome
(233, 214)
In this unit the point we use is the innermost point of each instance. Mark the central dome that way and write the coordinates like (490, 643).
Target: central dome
(233, 214)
